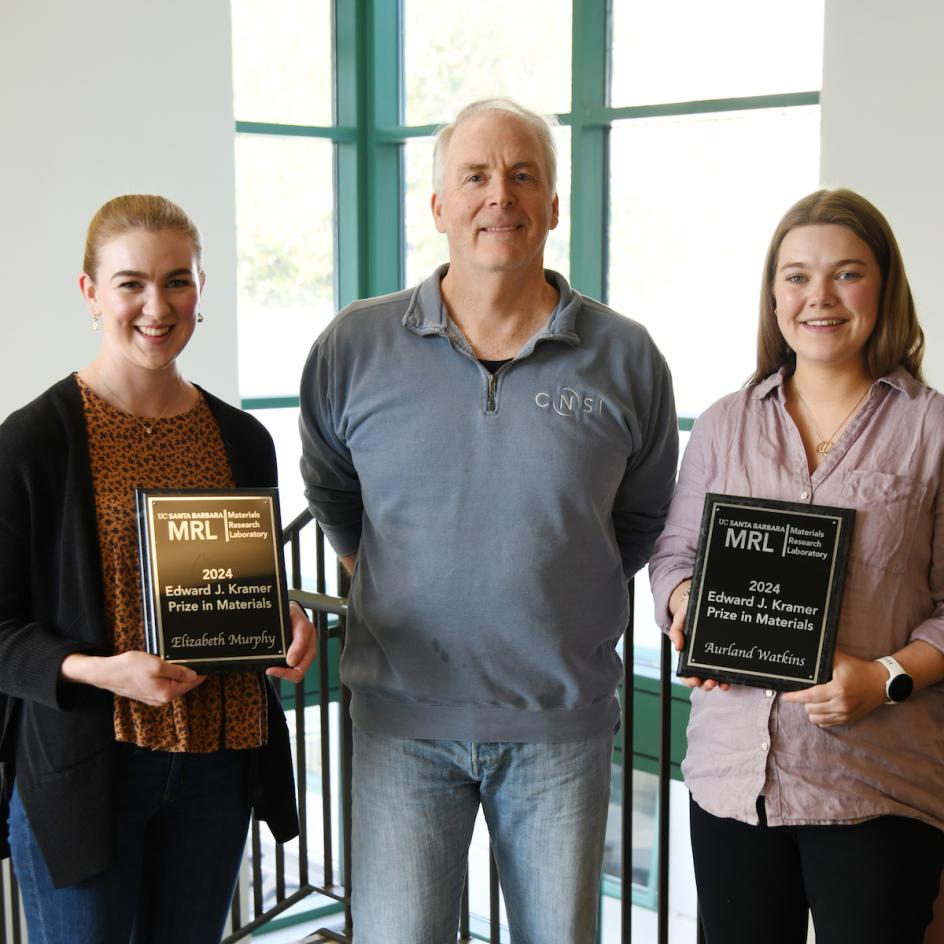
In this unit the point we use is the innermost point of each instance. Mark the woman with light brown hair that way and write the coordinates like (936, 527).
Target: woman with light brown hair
(898, 339)
(826, 800)
(132, 778)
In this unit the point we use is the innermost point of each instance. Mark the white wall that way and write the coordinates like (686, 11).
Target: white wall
(97, 98)
(883, 133)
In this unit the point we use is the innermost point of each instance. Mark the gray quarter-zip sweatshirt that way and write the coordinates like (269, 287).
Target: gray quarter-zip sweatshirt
(496, 518)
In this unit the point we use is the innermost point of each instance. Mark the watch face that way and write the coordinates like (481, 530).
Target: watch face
(900, 687)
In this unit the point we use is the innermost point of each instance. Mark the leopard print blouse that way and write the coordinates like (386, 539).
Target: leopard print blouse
(184, 451)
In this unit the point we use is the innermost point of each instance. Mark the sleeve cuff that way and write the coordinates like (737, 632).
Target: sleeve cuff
(343, 541)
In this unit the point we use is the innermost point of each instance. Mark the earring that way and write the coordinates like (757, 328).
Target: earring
(96, 322)
(199, 317)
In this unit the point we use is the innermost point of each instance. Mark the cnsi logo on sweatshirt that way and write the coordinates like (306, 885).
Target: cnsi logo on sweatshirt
(566, 401)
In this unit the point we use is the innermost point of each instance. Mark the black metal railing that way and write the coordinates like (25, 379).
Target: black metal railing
(12, 925)
(321, 606)
(331, 883)
(276, 886)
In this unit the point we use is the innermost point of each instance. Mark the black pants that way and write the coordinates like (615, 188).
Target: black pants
(870, 883)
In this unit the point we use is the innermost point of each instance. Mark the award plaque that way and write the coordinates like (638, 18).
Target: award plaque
(765, 594)
(213, 577)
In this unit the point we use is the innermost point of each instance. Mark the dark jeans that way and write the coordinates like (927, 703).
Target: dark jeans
(181, 829)
(869, 883)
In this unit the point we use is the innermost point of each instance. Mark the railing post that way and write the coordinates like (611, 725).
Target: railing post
(347, 759)
(4, 871)
(464, 936)
(494, 899)
(626, 809)
(665, 737)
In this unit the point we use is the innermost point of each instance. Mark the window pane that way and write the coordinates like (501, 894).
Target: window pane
(647, 636)
(689, 50)
(645, 807)
(282, 425)
(284, 217)
(451, 59)
(282, 61)
(426, 247)
(693, 204)
(557, 250)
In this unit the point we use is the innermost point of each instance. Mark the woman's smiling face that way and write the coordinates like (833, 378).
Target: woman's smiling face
(827, 288)
(146, 289)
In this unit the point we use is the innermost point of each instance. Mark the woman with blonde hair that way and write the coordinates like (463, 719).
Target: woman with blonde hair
(132, 778)
(826, 800)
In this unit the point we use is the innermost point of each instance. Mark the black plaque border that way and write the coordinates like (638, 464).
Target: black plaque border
(153, 631)
(830, 619)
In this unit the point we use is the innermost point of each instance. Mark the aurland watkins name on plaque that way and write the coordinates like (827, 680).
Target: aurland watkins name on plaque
(213, 577)
(766, 591)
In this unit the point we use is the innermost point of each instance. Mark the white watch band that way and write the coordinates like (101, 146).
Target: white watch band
(894, 669)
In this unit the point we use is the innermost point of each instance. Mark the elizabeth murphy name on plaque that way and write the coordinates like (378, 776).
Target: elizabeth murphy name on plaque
(213, 577)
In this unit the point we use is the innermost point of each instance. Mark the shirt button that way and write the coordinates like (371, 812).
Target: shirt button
(804, 495)
(764, 746)
(769, 693)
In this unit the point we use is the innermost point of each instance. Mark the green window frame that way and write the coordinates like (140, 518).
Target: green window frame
(368, 135)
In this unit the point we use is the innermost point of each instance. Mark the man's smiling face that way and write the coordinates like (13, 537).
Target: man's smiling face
(495, 205)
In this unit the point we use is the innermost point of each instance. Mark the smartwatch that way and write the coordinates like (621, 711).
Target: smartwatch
(900, 684)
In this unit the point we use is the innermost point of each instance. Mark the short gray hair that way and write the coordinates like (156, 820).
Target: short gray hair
(540, 125)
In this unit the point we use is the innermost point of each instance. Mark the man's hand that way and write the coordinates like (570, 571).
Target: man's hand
(301, 653)
(136, 675)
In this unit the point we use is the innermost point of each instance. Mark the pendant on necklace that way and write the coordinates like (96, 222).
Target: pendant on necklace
(822, 447)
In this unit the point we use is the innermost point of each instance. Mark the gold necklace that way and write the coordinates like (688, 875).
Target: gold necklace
(147, 427)
(826, 442)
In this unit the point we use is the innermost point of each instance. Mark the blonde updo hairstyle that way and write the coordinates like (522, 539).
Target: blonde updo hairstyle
(136, 211)
(897, 339)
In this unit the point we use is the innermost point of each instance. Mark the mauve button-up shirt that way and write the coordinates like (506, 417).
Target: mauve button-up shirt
(887, 464)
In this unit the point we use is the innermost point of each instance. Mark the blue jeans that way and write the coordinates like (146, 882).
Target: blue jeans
(181, 823)
(415, 805)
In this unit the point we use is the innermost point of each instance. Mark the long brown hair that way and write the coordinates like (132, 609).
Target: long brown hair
(897, 338)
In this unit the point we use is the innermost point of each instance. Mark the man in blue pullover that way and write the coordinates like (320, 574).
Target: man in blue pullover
(492, 454)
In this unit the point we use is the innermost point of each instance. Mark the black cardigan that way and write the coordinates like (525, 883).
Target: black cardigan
(59, 737)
